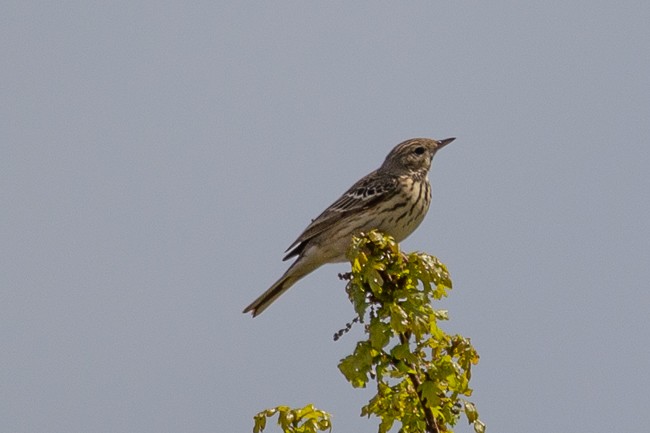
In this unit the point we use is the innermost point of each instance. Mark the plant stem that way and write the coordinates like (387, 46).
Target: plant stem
(432, 425)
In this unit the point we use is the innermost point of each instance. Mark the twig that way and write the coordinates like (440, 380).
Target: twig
(432, 425)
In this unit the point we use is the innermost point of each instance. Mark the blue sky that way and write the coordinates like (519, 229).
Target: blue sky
(158, 158)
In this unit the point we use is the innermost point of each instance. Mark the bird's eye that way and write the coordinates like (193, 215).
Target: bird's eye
(419, 150)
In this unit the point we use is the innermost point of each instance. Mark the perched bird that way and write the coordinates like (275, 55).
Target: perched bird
(393, 199)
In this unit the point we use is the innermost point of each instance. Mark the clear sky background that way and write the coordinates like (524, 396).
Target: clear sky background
(158, 157)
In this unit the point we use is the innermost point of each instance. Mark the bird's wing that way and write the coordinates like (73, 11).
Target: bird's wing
(362, 195)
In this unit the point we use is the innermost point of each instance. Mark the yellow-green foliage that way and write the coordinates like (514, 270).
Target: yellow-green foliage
(305, 420)
(420, 372)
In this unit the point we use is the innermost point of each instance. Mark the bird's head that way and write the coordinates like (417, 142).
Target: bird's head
(414, 155)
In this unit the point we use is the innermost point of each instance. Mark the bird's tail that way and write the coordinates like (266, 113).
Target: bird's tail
(265, 299)
(298, 270)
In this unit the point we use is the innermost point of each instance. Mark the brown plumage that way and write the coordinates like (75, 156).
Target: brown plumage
(393, 199)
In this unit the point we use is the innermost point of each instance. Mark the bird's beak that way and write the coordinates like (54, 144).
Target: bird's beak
(444, 142)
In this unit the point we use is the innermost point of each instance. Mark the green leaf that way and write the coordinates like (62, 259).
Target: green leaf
(430, 391)
(302, 420)
(401, 352)
(386, 424)
(471, 412)
(398, 319)
(260, 423)
(375, 281)
(441, 314)
(379, 333)
(376, 237)
(356, 367)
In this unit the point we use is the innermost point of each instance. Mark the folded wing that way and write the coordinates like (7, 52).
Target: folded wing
(362, 195)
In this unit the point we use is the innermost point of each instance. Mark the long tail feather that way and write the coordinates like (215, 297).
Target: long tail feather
(265, 299)
(296, 271)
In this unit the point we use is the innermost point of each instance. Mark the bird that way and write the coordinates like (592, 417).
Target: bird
(393, 199)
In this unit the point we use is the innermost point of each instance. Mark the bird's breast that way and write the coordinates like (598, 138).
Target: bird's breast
(401, 213)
